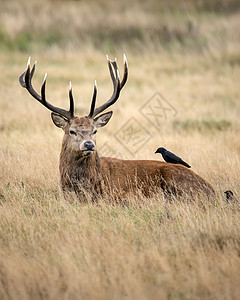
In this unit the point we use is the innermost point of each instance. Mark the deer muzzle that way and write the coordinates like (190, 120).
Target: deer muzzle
(87, 146)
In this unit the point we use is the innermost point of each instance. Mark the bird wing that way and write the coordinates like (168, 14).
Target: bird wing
(171, 157)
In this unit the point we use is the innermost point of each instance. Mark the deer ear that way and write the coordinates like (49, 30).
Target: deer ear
(103, 119)
(59, 121)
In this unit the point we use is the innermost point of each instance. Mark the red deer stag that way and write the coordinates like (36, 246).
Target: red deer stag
(83, 171)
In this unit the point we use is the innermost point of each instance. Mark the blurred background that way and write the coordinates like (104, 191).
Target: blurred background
(116, 26)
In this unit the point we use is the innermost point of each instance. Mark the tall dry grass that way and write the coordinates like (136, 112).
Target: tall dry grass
(50, 249)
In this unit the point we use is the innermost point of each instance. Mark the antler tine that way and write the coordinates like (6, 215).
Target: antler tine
(110, 69)
(117, 85)
(25, 80)
(65, 113)
(71, 101)
(93, 101)
(28, 81)
(125, 75)
(115, 94)
(21, 78)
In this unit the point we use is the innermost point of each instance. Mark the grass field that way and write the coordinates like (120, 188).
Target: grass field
(188, 54)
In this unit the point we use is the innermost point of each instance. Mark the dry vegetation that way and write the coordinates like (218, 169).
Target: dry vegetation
(50, 249)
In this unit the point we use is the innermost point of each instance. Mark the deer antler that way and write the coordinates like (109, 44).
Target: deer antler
(117, 86)
(26, 81)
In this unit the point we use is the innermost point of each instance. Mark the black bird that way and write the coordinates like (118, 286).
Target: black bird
(230, 197)
(171, 158)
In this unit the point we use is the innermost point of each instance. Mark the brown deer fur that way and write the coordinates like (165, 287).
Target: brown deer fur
(103, 175)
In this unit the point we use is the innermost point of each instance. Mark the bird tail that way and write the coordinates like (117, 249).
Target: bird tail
(186, 165)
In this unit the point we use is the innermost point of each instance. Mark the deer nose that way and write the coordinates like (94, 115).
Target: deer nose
(89, 145)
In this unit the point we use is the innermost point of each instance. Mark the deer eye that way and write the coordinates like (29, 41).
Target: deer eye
(95, 131)
(72, 132)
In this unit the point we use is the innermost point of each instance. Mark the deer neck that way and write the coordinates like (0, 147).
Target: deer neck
(78, 171)
(75, 162)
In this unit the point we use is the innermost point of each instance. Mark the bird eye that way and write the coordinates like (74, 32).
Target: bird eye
(72, 132)
(95, 131)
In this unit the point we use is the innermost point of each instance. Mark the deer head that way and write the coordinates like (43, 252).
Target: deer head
(80, 132)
